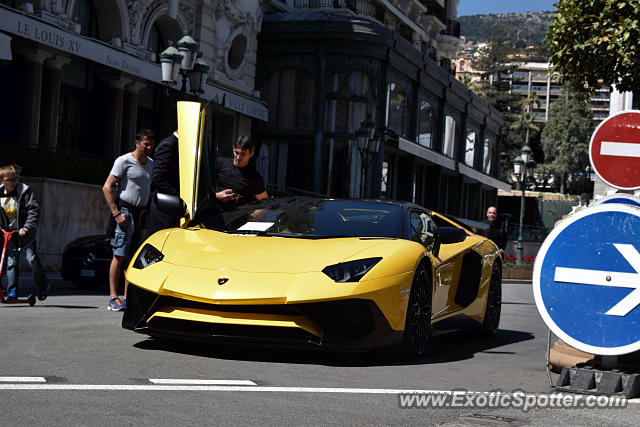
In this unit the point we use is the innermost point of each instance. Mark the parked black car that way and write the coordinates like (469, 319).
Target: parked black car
(86, 261)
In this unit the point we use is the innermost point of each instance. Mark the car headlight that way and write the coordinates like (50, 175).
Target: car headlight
(351, 271)
(148, 256)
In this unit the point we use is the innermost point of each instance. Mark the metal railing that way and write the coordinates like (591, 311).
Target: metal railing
(358, 6)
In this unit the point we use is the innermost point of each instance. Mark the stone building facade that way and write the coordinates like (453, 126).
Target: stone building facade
(325, 65)
(85, 74)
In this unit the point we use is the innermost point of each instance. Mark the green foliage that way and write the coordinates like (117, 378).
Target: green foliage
(596, 39)
(495, 89)
(565, 141)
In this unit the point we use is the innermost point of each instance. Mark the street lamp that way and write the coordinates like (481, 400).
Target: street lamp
(368, 144)
(523, 167)
(183, 58)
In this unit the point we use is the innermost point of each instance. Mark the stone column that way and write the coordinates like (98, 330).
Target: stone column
(115, 103)
(50, 111)
(30, 124)
(130, 115)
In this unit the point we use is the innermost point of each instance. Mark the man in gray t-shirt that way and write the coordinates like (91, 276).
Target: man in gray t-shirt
(132, 173)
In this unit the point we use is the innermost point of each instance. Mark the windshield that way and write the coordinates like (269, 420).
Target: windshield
(306, 217)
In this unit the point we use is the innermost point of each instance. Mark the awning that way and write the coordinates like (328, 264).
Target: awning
(448, 163)
(426, 154)
(483, 178)
(5, 47)
(105, 54)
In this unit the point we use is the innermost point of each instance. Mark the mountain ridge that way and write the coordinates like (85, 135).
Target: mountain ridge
(522, 28)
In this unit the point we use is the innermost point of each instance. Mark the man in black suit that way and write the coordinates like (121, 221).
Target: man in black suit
(496, 231)
(165, 179)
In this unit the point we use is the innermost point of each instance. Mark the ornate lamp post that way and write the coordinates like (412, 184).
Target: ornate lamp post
(523, 167)
(368, 144)
(184, 58)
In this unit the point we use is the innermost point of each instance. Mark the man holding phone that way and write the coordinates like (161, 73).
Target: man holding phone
(237, 182)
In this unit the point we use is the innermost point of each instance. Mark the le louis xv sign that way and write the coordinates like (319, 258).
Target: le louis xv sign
(60, 39)
(47, 36)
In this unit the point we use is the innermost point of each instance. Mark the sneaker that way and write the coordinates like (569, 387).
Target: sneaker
(115, 304)
(43, 293)
(11, 295)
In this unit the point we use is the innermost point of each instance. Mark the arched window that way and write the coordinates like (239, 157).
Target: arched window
(398, 110)
(156, 43)
(425, 134)
(350, 97)
(488, 152)
(85, 14)
(470, 147)
(290, 94)
(450, 132)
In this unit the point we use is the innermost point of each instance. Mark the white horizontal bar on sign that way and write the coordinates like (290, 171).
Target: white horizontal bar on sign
(623, 149)
(200, 382)
(22, 380)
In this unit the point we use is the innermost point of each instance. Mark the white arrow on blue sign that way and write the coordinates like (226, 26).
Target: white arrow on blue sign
(586, 280)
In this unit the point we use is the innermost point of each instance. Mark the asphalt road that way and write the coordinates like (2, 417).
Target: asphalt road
(94, 372)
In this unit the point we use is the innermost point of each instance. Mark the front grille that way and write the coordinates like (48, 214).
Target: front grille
(280, 309)
(189, 329)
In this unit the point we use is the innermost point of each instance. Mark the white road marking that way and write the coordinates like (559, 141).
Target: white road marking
(260, 389)
(609, 278)
(22, 380)
(175, 381)
(623, 149)
(263, 389)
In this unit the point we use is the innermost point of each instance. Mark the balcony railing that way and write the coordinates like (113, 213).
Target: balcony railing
(318, 4)
(358, 6)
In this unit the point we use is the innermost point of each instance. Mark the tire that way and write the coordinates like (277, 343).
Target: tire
(491, 319)
(417, 329)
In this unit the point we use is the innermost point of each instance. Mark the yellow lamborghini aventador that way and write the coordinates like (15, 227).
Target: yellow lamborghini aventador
(307, 271)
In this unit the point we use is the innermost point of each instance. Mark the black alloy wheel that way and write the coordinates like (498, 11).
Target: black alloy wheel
(417, 329)
(491, 319)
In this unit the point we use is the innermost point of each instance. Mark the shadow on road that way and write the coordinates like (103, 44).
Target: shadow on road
(447, 347)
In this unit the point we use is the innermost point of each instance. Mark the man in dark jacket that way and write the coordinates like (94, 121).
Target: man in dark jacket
(20, 212)
(496, 232)
(165, 179)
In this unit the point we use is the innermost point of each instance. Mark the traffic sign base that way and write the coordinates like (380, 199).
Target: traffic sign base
(586, 380)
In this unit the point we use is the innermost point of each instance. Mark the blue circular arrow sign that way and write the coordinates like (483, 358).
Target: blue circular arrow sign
(586, 280)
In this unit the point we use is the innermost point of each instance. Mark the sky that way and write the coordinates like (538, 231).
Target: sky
(476, 7)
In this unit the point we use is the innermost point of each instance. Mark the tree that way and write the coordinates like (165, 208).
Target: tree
(565, 140)
(592, 40)
(525, 121)
(495, 66)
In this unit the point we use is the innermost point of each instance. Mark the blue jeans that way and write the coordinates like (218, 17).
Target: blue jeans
(121, 240)
(32, 259)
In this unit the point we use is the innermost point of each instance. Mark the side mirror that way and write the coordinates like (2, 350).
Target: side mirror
(446, 235)
(171, 205)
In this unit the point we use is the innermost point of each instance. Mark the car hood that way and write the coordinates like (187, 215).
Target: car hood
(214, 250)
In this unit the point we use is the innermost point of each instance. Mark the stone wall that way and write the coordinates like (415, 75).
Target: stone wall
(68, 210)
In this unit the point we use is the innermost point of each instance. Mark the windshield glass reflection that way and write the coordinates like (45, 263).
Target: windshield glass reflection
(306, 217)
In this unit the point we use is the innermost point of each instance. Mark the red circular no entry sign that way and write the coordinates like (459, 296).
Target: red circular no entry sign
(614, 150)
